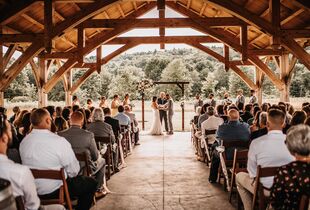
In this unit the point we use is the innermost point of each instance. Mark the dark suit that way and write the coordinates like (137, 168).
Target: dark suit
(115, 125)
(84, 141)
(163, 113)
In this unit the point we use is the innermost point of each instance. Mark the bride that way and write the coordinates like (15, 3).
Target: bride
(156, 125)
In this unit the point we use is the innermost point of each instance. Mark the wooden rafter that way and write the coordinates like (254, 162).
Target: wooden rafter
(290, 17)
(226, 56)
(121, 11)
(202, 10)
(35, 72)
(8, 54)
(98, 58)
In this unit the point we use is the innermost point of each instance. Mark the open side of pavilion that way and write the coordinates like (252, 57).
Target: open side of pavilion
(63, 32)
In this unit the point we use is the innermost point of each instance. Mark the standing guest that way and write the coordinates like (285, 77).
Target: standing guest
(103, 103)
(262, 126)
(227, 100)
(212, 100)
(292, 180)
(267, 151)
(122, 118)
(247, 113)
(253, 98)
(20, 177)
(114, 105)
(16, 111)
(90, 105)
(230, 131)
(42, 149)
(197, 102)
(132, 116)
(84, 141)
(111, 121)
(102, 129)
(126, 100)
(240, 100)
(75, 101)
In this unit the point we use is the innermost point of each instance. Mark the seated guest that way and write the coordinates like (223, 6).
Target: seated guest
(267, 151)
(111, 121)
(75, 108)
(66, 114)
(212, 123)
(60, 122)
(18, 119)
(231, 131)
(307, 110)
(90, 105)
(197, 102)
(247, 113)
(84, 141)
(20, 177)
(255, 125)
(262, 126)
(25, 127)
(42, 149)
(102, 129)
(256, 109)
(299, 117)
(265, 107)
(132, 116)
(16, 111)
(52, 111)
(292, 180)
(88, 114)
(196, 116)
(122, 118)
(307, 122)
(220, 110)
(203, 115)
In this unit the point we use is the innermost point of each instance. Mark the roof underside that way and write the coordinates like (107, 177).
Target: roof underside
(31, 19)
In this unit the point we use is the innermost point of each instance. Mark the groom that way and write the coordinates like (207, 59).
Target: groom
(162, 112)
(169, 108)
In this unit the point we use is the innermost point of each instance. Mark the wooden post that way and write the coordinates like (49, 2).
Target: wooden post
(42, 100)
(162, 28)
(259, 83)
(183, 108)
(48, 25)
(284, 72)
(142, 100)
(81, 44)
(68, 94)
(226, 56)
(244, 42)
(1, 71)
(274, 6)
(99, 57)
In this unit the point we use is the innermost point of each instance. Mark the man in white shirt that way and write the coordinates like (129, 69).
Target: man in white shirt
(132, 116)
(212, 123)
(267, 151)
(20, 177)
(122, 117)
(42, 149)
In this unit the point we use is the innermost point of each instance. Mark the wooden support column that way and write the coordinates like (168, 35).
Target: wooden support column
(99, 57)
(244, 42)
(259, 75)
(48, 25)
(226, 56)
(1, 71)
(68, 93)
(162, 29)
(81, 44)
(274, 6)
(284, 74)
(42, 100)
(183, 108)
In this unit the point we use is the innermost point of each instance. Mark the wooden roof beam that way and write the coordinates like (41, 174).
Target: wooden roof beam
(290, 17)
(98, 58)
(202, 10)
(162, 28)
(35, 72)
(154, 22)
(48, 24)
(20, 38)
(274, 6)
(244, 42)
(226, 56)
(8, 54)
(121, 11)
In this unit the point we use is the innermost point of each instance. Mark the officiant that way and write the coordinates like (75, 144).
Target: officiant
(163, 113)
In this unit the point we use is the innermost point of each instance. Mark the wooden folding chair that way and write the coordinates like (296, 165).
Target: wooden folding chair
(83, 157)
(63, 191)
(125, 140)
(208, 134)
(108, 156)
(259, 188)
(239, 164)
(304, 202)
(228, 163)
(19, 203)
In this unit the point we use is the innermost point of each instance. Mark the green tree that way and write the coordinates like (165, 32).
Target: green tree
(154, 68)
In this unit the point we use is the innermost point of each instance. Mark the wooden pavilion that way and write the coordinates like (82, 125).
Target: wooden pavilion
(63, 32)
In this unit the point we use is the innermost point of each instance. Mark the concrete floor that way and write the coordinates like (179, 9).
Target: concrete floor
(162, 173)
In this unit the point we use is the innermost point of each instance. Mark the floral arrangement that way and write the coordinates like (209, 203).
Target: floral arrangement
(144, 84)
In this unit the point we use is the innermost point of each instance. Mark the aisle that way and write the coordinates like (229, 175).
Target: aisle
(162, 173)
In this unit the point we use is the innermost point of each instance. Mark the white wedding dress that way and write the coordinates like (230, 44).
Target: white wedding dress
(156, 125)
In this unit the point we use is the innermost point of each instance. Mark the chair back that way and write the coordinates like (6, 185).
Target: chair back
(19, 203)
(232, 144)
(304, 202)
(210, 132)
(259, 188)
(103, 139)
(83, 157)
(124, 128)
(240, 159)
(56, 175)
(6, 195)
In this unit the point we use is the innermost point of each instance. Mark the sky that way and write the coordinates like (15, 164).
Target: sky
(107, 49)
